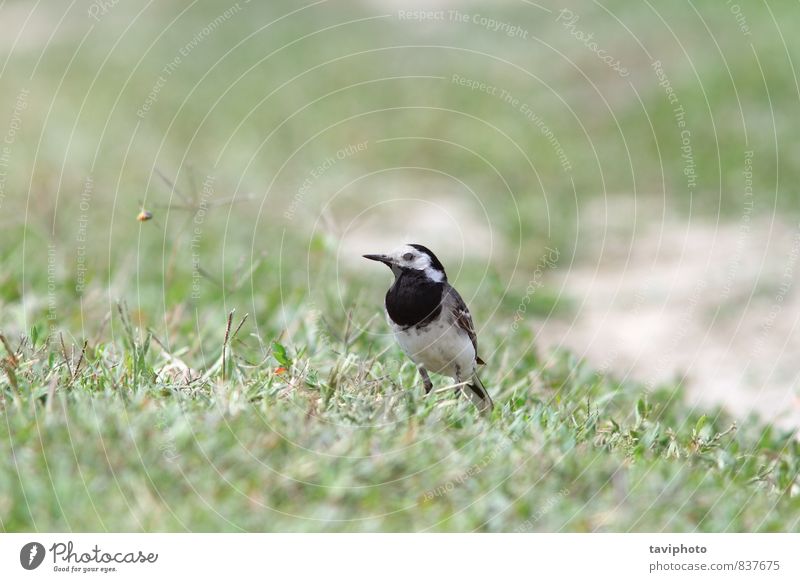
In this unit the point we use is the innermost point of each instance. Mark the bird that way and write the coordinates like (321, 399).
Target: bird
(431, 322)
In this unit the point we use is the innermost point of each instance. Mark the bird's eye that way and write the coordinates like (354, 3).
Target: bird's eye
(408, 256)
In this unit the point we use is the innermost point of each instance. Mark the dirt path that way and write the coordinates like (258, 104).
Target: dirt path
(716, 305)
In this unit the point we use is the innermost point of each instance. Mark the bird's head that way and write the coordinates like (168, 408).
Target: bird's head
(412, 257)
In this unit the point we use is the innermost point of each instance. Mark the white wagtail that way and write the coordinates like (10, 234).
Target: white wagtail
(431, 322)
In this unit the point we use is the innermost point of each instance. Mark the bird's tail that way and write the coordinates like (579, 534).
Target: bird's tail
(479, 395)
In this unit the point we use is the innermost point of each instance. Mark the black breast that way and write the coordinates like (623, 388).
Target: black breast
(414, 299)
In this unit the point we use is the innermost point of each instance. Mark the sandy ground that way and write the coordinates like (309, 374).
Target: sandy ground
(714, 305)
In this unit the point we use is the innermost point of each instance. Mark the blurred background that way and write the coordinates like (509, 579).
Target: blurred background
(617, 179)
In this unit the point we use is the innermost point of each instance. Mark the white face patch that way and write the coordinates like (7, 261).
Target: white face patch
(410, 258)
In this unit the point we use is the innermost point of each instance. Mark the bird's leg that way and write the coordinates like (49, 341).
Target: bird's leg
(426, 380)
(457, 378)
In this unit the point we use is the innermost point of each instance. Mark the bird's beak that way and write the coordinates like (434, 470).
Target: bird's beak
(380, 258)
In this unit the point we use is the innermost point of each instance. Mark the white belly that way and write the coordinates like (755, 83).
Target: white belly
(439, 347)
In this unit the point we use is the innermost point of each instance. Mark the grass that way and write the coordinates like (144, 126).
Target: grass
(327, 436)
(131, 402)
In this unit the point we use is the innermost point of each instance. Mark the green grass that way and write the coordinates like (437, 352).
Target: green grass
(328, 435)
(342, 438)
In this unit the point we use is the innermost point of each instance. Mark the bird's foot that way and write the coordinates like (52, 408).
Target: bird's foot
(426, 380)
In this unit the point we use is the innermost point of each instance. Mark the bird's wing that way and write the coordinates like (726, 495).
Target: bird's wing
(463, 319)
